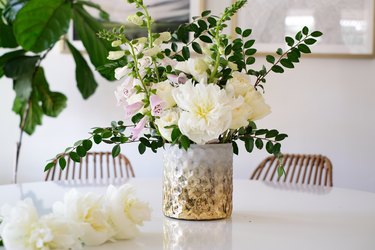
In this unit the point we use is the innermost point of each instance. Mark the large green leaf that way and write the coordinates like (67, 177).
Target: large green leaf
(41, 23)
(85, 78)
(87, 28)
(7, 39)
(21, 70)
(8, 56)
(52, 102)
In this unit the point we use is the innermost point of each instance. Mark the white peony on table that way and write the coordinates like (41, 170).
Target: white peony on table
(265, 216)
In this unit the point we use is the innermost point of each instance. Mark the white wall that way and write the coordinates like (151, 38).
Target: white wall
(325, 105)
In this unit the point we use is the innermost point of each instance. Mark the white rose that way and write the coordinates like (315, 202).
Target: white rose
(164, 37)
(114, 55)
(125, 211)
(164, 91)
(23, 229)
(168, 118)
(206, 111)
(88, 211)
(258, 105)
(135, 19)
(196, 67)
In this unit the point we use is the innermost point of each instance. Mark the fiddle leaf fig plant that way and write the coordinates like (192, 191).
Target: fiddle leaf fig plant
(29, 30)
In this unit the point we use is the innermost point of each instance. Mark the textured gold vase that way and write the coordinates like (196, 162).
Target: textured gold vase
(197, 183)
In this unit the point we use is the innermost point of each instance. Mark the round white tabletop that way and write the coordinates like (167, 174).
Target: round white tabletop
(265, 216)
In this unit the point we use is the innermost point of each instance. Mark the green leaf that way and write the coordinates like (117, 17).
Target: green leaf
(86, 82)
(41, 23)
(261, 131)
(87, 144)
(175, 134)
(106, 134)
(276, 148)
(250, 60)
(279, 51)
(185, 142)
(81, 151)
(246, 33)
(235, 148)
(259, 143)
(270, 59)
(185, 52)
(87, 27)
(97, 139)
(49, 166)
(141, 148)
(7, 39)
(249, 144)
(281, 137)
(280, 171)
(21, 70)
(137, 117)
(52, 102)
(196, 47)
(205, 13)
(11, 8)
(205, 39)
(116, 150)
(250, 52)
(7, 57)
(289, 41)
(277, 69)
(305, 30)
(269, 147)
(249, 44)
(298, 36)
(316, 34)
(62, 162)
(272, 133)
(310, 41)
(202, 24)
(174, 47)
(304, 49)
(102, 13)
(286, 63)
(74, 156)
(238, 30)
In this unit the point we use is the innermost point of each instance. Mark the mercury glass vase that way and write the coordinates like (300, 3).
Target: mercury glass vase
(198, 183)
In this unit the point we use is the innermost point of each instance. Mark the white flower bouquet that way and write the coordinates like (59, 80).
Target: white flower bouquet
(190, 87)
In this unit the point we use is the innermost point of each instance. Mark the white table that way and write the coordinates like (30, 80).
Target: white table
(265, 216)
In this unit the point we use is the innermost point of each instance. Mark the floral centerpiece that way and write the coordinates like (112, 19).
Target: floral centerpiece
(190, 89)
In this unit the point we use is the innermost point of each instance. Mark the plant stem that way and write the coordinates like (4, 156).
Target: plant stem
(24, 118)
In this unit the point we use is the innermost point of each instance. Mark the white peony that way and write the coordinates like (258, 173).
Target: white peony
(239, 84)
(168, 118)
(196, 67)
(125, 212)
(240, 113)
(24, 230)
(164, 91)
(87, 210)
(206, 111)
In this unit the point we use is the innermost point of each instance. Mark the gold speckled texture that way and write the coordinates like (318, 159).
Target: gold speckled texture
(198, 183)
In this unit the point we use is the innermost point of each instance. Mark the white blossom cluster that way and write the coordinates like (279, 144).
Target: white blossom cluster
(79, 220)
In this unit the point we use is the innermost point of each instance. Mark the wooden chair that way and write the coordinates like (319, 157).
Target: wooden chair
(303, 169)
(95, 166)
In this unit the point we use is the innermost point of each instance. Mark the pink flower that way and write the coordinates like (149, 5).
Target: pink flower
(124, 91)
(138, 128)
(167, 61)
(157, 105)
(180, 79)
(131, 109)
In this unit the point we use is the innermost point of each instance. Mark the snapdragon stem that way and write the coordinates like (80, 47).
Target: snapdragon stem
(137, 71)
